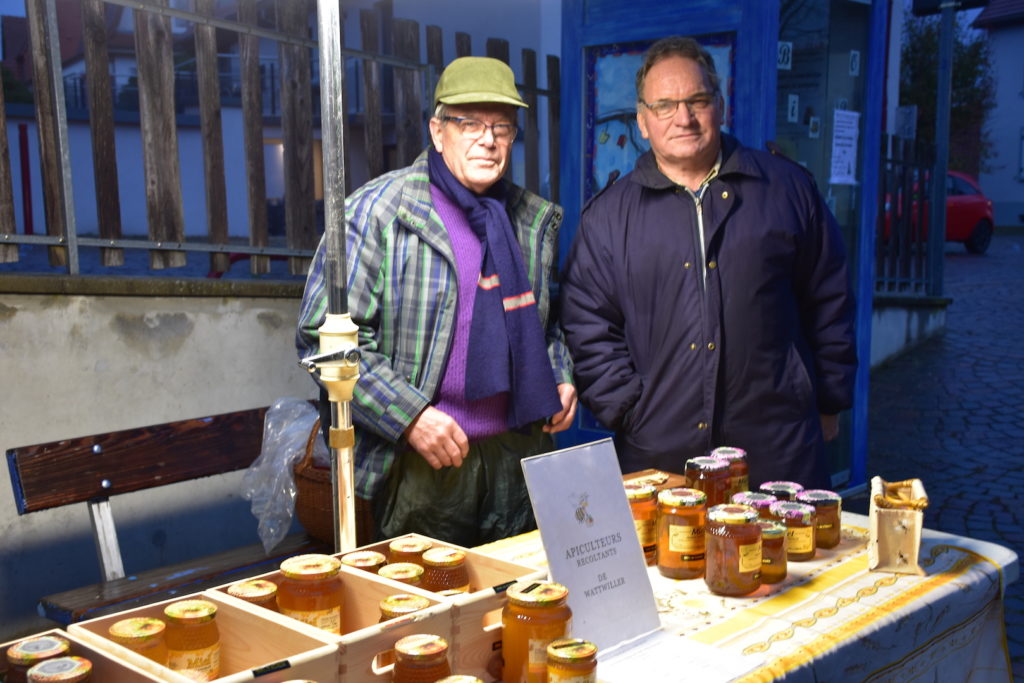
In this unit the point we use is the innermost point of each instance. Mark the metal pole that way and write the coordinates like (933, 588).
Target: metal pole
(943, 102)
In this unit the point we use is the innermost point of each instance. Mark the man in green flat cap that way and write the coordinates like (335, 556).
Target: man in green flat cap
(463, 373)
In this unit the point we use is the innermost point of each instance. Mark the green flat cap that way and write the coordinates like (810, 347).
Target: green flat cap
(477, 79)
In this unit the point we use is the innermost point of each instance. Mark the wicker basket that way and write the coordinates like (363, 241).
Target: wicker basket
(314, 507)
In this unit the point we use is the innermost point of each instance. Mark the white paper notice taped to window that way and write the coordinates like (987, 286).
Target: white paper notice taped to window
(845, 133)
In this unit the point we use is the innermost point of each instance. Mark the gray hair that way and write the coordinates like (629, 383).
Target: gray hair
(676, 46)
(440, 111)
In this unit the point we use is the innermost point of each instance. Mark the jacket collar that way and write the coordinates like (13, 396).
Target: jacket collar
(736, 160)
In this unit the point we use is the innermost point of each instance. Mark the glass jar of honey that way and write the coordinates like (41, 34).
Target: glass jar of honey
(311, 591)
(681, 515)
(23, 655)
(61, 670)
(460, 678)
(711, 476)
(773, 551)
(800, 520)
(733, 541)
(572, 660)
(400, 604)
(193, 640)
(421, 658)
(445, 569)
(144, 635)
(642, 504)
(782, 490)
(739, 479)
(829, 507)
(403, 572)
(535, 614)
(408, 549)
(367, 560)
(258, 592)
(761, 502)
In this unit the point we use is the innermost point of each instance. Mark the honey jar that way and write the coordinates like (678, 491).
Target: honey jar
(408, 549)
(681, 522)
(400, 604)
(367, 560)
(445, 569)
(421, 658)
(759, 501)
(782, 490)
(642, 504)
(711, 476)
(572, 660)
(24, 655)
(733, 541)
(800, 520)
(403, 572)
(460, 678)
(773, 551)
(535, 614)
(829, 507)
(739, 479)
(193, 640)
(144, 635)
(256, 592)
(61, 670)
(311, 591)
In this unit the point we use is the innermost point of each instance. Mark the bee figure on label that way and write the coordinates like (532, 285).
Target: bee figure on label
(580, 503)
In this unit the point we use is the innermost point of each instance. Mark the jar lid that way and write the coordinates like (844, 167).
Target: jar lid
(61, 669)
(31, 650)
(707, 464)
(730, 513)
(253, 589)
(536, 593)
(191, 611)
(790, 488)
(771, 529)
(364, 559)
(410, 544)
(421, 646)
(821, 497)
(754, 499)
(401, 571)
(451, 593)
(444, 557)
(791, 511)
(569, 650)
(136, 630)
(402, 603)
(639, 492)
(682, 497)
(459, 678)
(729, 453)
(310, 567)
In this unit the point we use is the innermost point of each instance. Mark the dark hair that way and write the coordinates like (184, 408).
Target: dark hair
(676, 46)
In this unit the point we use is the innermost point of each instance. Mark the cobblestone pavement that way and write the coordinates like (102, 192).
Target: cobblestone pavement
(951, 411)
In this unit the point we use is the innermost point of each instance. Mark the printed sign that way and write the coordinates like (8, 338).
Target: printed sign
(785, 56)
(793, 108)
(845, 133)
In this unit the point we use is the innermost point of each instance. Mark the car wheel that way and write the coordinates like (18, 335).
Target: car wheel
(980, 238)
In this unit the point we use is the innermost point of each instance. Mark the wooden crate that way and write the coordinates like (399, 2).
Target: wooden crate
(105, 665)
(252, 645)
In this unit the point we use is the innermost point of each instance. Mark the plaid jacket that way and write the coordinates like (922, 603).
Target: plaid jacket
(402, 291)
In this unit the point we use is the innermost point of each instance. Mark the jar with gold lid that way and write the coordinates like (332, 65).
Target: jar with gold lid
(572, 660)
(644, 507)
(367, 560)
(144, 635)
(403, 572)
(782, 490)
(800, 520)
(61, 670)
(258, 592)
(193, 639)
(711, 476)
(445, 569)
(459, 678)
(408, 549)
(761, 502)
(773, 551)
(25, 654)
(421, 658)
(535, 614)
(681, 519)
(393, 607)
(739, 477)
(311, 591)
(733, 541)
(829, 508)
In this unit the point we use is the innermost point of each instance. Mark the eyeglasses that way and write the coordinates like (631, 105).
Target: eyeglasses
(473, 129)
(697, 104)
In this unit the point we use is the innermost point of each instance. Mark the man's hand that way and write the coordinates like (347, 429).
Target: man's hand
(829, 426)
(438, 438)
(562, 420)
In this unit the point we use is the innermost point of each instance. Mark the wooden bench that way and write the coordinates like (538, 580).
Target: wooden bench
(91, 469)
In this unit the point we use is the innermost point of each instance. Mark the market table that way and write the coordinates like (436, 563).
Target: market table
(830, 620)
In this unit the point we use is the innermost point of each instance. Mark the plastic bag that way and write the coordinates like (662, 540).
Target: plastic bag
(269, 482)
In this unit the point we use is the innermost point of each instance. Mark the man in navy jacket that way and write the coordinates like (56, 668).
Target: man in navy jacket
(706, 299)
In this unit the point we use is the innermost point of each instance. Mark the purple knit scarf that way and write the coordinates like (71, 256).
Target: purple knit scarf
(507, 350)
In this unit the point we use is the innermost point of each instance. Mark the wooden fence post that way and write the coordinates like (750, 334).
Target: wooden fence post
(252, 128)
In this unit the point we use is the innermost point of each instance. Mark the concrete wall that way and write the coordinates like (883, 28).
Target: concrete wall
(1003, 181)
(900, 323)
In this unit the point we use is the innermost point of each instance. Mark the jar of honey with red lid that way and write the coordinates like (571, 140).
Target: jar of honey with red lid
(445, 569)
(421, 658)
(572, 660)
(25, 654)
(773, 551)
(782, 490)
(711, 476)
(408, 549)
(193, 639)
(681, 519)
(311, 591)
(535, 614)
(367, 560)
(403, 572)
(739, 478)
(644, 507)
(829, 507)
(800, 520)
(761, 502)
(259, 592)
(144, 635)
(733, 540)
(61, 670)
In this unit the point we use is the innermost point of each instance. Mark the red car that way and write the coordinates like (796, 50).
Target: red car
(968, 214)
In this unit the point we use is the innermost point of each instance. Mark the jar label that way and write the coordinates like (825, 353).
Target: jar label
(202, 664)
(750, 557)
(555, 676)
(800, 539)
(826, 525)
(537, 663)
(686, 539)
(326, 619)
(646, 531)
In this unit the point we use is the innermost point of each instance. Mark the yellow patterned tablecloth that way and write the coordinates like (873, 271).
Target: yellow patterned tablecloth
(830, 620)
